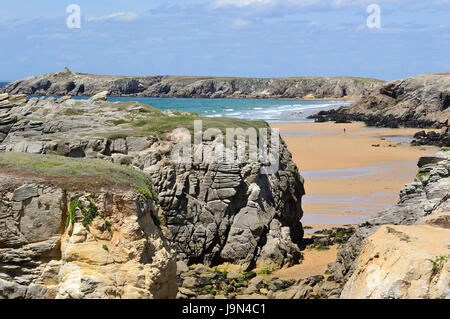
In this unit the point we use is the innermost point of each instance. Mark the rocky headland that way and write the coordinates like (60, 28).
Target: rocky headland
(80, 229)
(81, 84)
(418, 101)
(232, 215)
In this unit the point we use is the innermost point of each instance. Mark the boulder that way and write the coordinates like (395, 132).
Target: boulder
(99, 97)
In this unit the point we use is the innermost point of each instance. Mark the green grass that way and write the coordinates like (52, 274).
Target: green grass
(126, 161)
(420, 176)
(73, 112)
(107, 225)
(71, 213)
(118, 122)
(157, 220)
(76, 170)
(153, 121)
(438, 262)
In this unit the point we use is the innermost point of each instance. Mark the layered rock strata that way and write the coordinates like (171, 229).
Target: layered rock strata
(57, 242)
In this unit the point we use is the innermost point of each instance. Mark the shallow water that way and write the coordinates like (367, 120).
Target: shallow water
(350, 173)
(306, 133)
(327, 219)
(271, 110)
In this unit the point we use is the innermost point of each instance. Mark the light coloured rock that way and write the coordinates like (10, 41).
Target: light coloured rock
(233, 275)
(189, 282)
(187, 292)
(421, 202)
(138, 143)
(396, 262)
(25, 192)
(251, 297)
(181, 267)
(102, 96)
(44, 255)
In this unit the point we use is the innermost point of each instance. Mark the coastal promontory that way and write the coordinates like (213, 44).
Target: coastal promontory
(82, 84)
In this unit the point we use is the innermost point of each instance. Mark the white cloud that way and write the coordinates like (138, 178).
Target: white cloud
(240, 23)
(242, 3)
(119, 16)
(305, 3)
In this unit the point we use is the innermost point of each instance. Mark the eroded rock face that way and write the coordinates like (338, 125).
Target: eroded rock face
(402, 262)
(216, 213)
(75, 84)
(418, 101)
(221, 213)
(383, 240)
(120, 254)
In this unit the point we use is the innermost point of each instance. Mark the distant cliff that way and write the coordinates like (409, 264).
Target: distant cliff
(80, 84)
(418, 101)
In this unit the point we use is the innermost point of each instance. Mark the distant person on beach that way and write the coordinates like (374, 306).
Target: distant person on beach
(345, 130)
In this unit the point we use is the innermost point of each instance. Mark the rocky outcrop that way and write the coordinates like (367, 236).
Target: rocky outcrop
(80, 84)
(385, 259)
(402, 262)
(215, 213)
(418, 101)
(441, 139)
(56, 242)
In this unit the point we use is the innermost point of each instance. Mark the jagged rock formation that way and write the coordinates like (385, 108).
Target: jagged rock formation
(60, 242)
(79, 84)
(418, 101)
(216, 213)
(441, 139)
(364, 262)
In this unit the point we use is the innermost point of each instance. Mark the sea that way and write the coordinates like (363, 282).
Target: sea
(270, 110)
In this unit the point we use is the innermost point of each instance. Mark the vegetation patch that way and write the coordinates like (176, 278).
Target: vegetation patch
(72, 173)
(157, 220)
(438, 262)
(73, 112)
(119, 122)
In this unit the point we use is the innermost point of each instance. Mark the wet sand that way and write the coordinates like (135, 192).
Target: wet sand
(353, 173)
(349, 176)
(315, 263)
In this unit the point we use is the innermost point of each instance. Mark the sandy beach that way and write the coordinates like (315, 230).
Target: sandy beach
(349, 176)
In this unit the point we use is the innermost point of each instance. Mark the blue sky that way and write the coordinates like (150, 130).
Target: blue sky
(251, 38)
